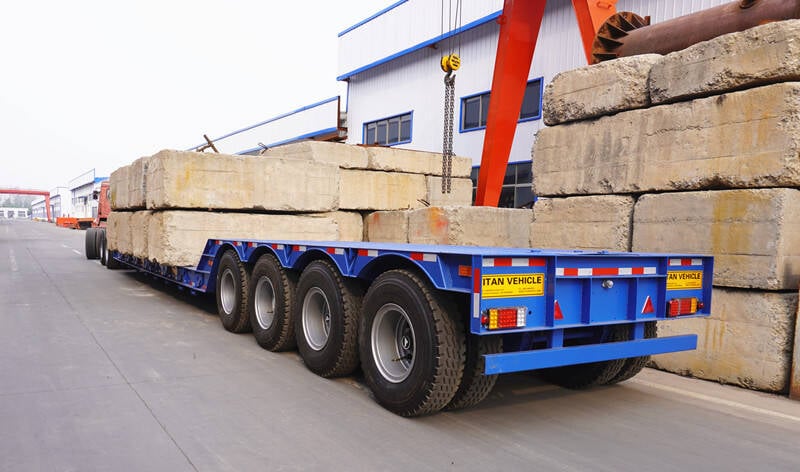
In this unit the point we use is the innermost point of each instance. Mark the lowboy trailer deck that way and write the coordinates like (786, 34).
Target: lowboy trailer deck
(432, 326)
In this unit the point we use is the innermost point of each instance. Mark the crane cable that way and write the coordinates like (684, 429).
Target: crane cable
(449, 64)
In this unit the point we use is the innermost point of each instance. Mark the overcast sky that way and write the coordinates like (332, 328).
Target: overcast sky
(95, 84)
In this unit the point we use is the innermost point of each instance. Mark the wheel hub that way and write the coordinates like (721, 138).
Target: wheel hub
(393, 343)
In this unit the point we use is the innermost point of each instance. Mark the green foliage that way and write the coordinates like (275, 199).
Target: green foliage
(17, 201)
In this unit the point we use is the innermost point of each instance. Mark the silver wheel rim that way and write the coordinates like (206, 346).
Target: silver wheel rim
(265, 303)
(393, 343)
(316, 318)
(227, 291)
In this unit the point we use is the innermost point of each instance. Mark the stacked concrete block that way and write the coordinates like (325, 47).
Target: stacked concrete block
(591, 223)
(191, 180)
(386, 226)
(747, 341)
(370, 190)
(140, 223)
(118, 232)
(178, 237)
(118, 187)
(754, 234)
(708, 152)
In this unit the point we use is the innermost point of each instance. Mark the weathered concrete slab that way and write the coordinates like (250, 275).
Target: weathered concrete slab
(137, 183)
(470, 226)
(765, 54)
(118, 187)
(387, 226)
(139, 222)
(179, 179)
(373, 190)
(600, 222)
(178, 237)
(600, 89)
(754, 235)
(343, 155)
(737, 140)
(460, 192)
(391, 159)
(747, 341)
(118, 231)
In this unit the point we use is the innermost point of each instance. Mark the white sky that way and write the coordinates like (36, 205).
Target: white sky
(98, 83)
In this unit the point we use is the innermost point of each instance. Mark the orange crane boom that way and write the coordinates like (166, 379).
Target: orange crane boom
(45, 194)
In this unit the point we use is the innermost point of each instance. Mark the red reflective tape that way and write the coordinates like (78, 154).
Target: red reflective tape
(570, 271)
(686, 262)
(330, 250)
(296, 248)
(362, 252)
(251, 244)
(476, 281)
(536, 262)
(416, 256)
(502, 262)
(637, 270)
(605, 271)
(274, 246)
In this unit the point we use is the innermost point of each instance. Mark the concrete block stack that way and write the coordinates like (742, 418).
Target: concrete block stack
(167, 205)
(696, 151)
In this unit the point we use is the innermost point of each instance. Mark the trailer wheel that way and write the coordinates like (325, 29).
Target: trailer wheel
(634, 365)
(105, 254)
(475, 386)
(581, 376)
(326, 313)
(232, 284)
(90, 246)
(272, 292)
(412, 348)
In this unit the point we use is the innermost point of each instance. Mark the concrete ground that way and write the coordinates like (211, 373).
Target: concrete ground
(108, 370)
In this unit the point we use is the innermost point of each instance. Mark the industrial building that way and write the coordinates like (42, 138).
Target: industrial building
(77, 199)
(395, 91)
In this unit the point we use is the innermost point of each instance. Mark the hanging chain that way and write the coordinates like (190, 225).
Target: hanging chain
(447, 144)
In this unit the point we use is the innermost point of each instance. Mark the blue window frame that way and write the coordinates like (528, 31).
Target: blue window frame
(475, 108)
(389, 131)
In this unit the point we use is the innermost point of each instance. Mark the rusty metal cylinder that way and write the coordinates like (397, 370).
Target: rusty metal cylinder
(682, 32)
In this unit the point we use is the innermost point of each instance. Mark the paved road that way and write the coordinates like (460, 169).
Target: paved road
(107, 370)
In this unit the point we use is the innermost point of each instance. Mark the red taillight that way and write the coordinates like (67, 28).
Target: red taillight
(683, 306)
(503, 318)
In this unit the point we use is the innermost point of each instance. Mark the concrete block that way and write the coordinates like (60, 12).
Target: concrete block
(137, 183)
(387, 226)
(747, 341)
(600, 222)
(118, 187)
(794, 382)
(754, 235)
(178, 179)
(118, 232)
(470, 226)
(738, 140)
(139, 222)
(372, 190)
(350, 224)
(391, 159)
(342, 155)
(178, 237)
(460, 192)
(600, 89)
(765, 54)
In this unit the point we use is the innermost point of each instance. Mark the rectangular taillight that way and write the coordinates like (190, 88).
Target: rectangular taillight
(683, 306)
(504, 318)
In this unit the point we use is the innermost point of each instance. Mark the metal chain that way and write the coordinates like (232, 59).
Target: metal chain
(447, 144)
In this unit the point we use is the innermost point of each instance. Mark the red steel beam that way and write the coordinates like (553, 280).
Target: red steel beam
(591, 14)
(519, 28)
(45, 194)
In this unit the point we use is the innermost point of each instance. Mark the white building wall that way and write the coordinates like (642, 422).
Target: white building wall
(413, 82)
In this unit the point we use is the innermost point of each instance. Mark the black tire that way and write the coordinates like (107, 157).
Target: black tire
(272, 294)
(98, 235)
(90, 248)
(581, 376)
(105, 254)
(326, 314)
(405, 319)
(475, 386)
(634, 365)
(231, 293)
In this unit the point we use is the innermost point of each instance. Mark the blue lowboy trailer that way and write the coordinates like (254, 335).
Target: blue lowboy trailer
(432, 326)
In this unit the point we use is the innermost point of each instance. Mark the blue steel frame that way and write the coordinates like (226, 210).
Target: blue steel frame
(574, 282)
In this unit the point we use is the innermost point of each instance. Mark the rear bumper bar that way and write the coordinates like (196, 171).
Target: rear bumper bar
(545, 358)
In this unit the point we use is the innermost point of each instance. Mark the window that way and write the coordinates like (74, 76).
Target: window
(475, 108)
(517, 183)
(389, 131)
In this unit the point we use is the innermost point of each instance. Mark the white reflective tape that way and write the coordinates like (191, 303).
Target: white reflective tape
(339, 251)
(372, 253)
(279, 246)
(476, 305)
(559, 271)
(429, 257)
(697, 262)
(488, 262)
(301, 248)
(650, 271)
(584, 271)
(519, 262)
(674, 262)
(625, 271)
